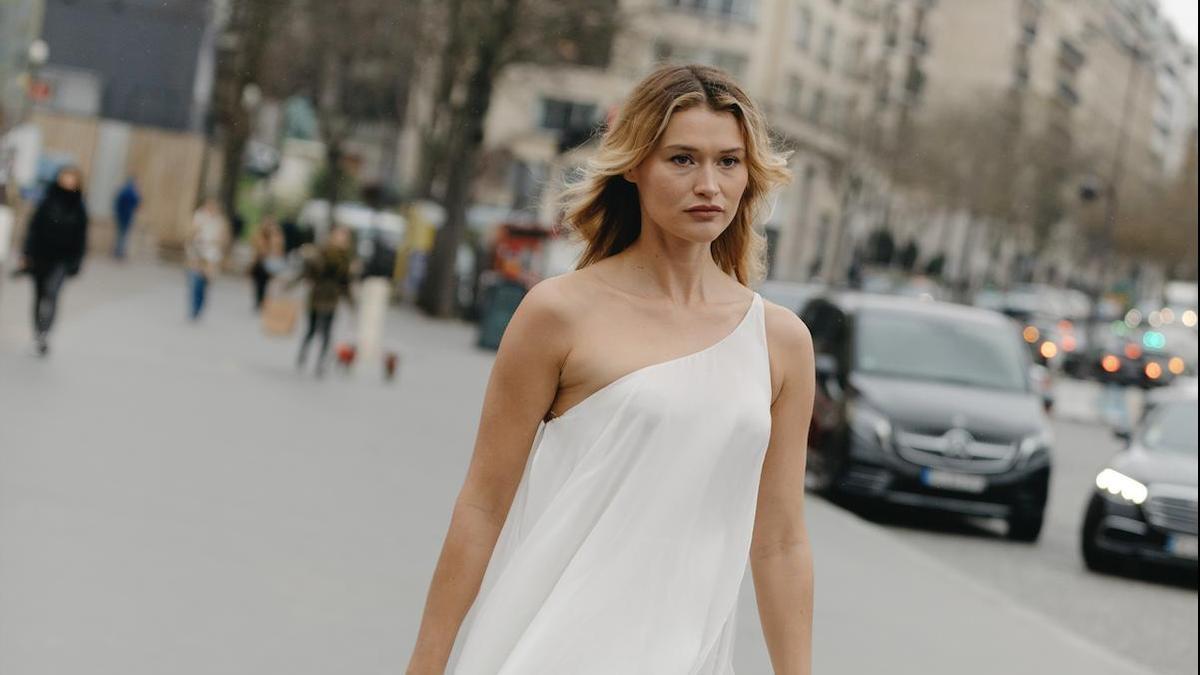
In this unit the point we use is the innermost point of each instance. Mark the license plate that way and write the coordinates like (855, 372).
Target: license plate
(1182, 546)
(960, 482)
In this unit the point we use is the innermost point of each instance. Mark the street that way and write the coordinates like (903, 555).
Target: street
(177, 498)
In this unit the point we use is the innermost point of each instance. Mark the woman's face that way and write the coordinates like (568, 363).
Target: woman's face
(690, 186)
(68, 180)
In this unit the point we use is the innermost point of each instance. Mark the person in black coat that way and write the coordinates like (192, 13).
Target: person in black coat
(55, 243)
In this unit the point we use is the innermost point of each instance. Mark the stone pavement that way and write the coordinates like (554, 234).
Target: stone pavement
(176, 498)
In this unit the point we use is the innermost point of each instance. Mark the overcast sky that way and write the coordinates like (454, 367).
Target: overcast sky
(1183, 12)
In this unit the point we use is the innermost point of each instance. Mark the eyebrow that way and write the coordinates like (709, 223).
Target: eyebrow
(688, 148)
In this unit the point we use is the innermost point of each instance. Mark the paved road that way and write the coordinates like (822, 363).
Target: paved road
(177, 498)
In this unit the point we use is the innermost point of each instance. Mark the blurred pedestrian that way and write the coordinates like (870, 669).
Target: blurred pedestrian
(204, 249)
(328, 272)
(378, 270)
(124, 207)
(6, 231)
(268, 247)
(55, 243)
(291, 235)
(7, 216)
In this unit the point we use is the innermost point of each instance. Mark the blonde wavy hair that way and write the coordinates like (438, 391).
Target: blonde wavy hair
(603, 209)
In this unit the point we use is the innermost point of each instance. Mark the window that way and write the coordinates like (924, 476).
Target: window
(1069, 56)
(826, 55)
(731, 62)
(816, 111)
(563, 115)
(803, 28)
(662, 51)
(1067, 93)
(914, 83)
(856, 56)
(794, 91)
(1021, 76)
(727, 9)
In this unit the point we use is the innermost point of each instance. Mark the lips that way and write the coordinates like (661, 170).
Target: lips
(705, 209)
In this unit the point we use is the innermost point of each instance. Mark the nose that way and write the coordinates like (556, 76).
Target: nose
(706, 182)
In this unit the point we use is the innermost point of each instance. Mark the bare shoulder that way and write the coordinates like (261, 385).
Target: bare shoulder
(787, 332)
(789, 344)
(550, 310)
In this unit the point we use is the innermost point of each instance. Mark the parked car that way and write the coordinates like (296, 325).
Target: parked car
(1143, 508)
(927, 404)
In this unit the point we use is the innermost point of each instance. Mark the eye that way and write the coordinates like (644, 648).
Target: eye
(681, 160)
(730, 162)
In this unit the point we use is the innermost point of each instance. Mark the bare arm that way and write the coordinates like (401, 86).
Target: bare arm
(522, 386)
(780, 557)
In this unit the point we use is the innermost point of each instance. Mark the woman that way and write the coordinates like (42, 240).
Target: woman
(328, 271)
(205, 249)
(268, 258)
(54, 246)
(643, 431)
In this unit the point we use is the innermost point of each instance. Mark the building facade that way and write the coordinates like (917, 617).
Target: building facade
(843, 84)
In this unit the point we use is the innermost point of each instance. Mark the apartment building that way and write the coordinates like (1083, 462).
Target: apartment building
(835, 77)
(843, 82)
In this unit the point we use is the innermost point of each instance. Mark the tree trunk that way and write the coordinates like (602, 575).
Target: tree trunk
(436, 137)
(438, 291)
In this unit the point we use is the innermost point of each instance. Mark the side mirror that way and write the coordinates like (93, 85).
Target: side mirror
(826, 366)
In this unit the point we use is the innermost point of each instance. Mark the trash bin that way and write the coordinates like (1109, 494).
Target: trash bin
(500, 301)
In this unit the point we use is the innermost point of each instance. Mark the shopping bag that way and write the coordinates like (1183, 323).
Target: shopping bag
(279, 314)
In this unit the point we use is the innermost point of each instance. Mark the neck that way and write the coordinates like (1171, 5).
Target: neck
(681, 271)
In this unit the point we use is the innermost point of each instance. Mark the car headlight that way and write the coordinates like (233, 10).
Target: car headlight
(869, 423)
(1116, 483)
(1035, 445)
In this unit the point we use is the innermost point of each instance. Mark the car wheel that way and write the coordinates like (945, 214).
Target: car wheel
(1093, 557)
(1025, 528)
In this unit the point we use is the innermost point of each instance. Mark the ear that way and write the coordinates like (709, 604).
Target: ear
(631, 176)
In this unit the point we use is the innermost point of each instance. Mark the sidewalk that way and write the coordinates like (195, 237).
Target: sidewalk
(175, 498)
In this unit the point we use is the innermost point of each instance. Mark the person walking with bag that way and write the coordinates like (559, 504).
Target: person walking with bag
(55, 243)
(328, 272)
(204, 250)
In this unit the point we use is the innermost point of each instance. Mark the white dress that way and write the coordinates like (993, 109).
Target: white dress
(627, 540)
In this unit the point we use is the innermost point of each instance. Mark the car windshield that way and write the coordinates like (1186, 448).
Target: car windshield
(943, 349)
(1171, 428)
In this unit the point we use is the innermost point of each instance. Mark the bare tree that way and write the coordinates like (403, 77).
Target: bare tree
(1157, 221)
(484, 38)
(355, 60)
(242, 46)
